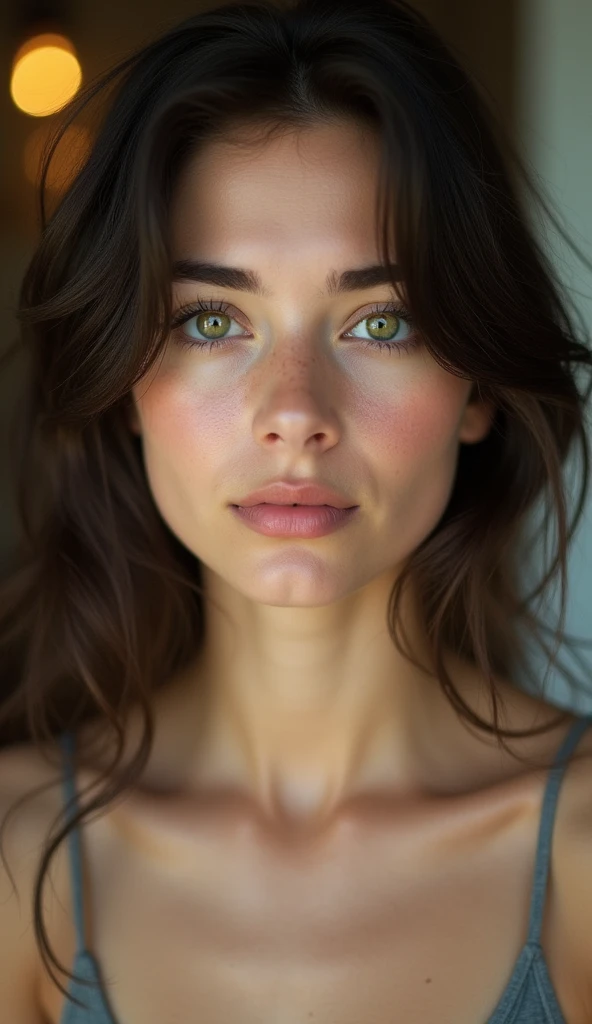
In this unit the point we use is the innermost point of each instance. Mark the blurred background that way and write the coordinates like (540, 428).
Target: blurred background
(532, 58)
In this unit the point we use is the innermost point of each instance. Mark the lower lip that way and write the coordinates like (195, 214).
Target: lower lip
(299, 521)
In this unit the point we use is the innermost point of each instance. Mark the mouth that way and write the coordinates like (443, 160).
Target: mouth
(294, 520)
(294, 504)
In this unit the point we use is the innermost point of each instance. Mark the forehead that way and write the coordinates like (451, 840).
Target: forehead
(313, 187)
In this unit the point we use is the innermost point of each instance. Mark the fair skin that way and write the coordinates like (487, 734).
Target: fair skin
(315, 833)
(310, 695)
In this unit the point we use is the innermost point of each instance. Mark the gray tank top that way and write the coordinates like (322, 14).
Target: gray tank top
(529, 997)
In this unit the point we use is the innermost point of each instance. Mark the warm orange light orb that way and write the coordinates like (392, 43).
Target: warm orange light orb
(45, 75)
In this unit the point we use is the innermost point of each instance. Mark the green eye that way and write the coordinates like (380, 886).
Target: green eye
(211, 319)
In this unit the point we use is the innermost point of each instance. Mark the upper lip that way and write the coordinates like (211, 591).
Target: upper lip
(287, 492)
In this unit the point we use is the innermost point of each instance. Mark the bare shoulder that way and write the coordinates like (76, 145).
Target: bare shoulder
(29, 801)
(572, 880)
(24, 825)
(29, 778)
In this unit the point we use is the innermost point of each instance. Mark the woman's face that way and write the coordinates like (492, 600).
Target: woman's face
(296, 389)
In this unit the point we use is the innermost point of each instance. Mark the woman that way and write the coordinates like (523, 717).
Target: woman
(299, 371)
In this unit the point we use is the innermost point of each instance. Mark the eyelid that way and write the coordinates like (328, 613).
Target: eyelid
(186, 311)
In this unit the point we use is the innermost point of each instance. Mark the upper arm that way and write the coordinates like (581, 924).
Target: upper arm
(19, 957)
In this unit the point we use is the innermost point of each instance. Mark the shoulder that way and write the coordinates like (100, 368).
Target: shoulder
(30, 798)
(572, 879)
(26, 815)
(31, 779)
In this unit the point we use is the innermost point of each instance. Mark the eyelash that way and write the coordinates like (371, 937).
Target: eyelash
(185, 313)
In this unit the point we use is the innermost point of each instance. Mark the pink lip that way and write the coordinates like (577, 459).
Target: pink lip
(304, 521)
(290, 492)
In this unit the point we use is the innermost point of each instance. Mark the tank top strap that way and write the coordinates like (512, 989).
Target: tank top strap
(543, 853)
(68, 743)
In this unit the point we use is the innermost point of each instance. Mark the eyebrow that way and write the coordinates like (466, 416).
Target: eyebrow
(249, 281)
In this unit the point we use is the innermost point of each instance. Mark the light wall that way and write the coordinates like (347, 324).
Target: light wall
(554, 131)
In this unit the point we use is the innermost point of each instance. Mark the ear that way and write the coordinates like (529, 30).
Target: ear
(477, 419)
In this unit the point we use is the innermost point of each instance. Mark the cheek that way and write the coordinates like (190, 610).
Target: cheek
(419, 426)
(185, 444)
(411, 446)
(183, 430)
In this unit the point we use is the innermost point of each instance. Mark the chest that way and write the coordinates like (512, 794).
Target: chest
(419, 921)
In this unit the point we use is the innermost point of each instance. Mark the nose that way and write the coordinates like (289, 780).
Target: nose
(297, 415)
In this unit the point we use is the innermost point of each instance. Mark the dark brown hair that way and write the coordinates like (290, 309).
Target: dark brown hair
(103, 603)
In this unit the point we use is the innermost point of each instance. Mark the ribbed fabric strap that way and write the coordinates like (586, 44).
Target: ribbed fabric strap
(543, 854)
(67, 741)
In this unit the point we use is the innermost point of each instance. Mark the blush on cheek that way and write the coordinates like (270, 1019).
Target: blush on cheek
(411, 446)
(419, 424)
(178, 419)
(211, 430)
